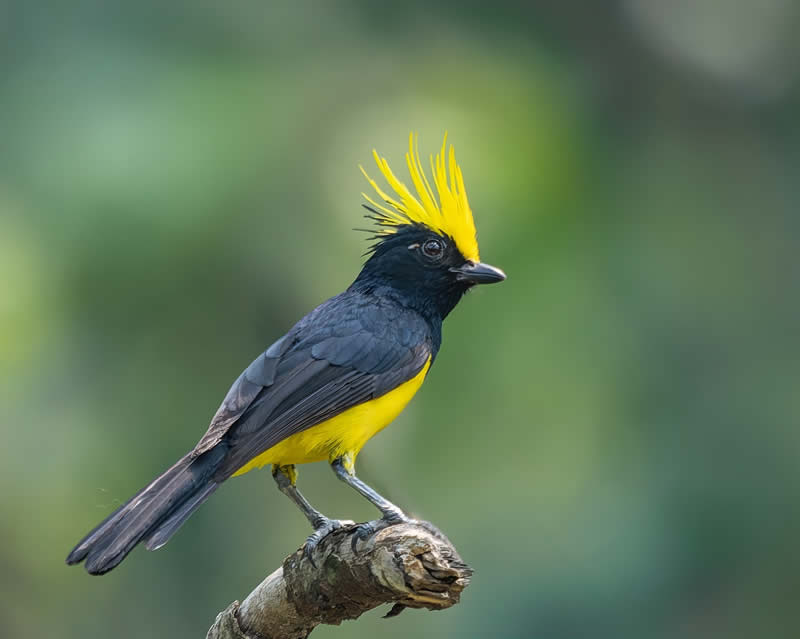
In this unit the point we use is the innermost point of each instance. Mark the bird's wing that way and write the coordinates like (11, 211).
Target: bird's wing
(347, 351)
(253, 380)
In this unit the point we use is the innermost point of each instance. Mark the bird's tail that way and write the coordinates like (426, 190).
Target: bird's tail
(152, 515)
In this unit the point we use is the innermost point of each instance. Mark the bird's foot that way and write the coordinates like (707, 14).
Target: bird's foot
(322, 528)
(369, 528)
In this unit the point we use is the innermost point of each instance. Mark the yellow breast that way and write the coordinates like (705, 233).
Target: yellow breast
(345, 433)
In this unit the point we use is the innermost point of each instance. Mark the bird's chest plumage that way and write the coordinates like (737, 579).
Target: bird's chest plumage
(347, 432)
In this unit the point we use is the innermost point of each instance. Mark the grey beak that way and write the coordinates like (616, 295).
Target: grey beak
(478, 273)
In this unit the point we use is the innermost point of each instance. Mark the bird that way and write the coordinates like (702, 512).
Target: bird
(341, 374)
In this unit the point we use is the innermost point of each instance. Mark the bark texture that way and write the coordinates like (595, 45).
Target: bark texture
(410, 565)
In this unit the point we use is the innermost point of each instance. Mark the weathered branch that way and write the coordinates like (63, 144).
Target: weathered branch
(410, 565)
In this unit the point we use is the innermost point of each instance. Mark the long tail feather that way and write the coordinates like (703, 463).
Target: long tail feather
(161, 535)
(153, 514)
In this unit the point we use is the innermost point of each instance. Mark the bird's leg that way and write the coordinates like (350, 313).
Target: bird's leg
(286, 478)
(344, 467)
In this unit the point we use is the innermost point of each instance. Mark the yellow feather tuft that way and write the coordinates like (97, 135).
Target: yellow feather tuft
(449, 216)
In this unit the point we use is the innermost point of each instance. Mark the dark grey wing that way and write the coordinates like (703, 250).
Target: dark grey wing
(344, 353)
(255, 378)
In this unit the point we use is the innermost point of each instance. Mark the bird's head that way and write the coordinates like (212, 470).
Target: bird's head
(426, 251)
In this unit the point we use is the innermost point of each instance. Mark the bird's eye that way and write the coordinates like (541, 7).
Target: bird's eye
(433, 249)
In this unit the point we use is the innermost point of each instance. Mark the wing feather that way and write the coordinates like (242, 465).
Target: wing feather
(347, 351)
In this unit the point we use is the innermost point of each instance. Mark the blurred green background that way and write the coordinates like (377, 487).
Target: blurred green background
(610, 437)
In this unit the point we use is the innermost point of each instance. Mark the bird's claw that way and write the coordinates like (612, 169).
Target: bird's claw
(365, 530)
(322, 530)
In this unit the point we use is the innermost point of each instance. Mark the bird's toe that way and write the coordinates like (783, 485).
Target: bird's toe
(367, 529)
(324, 528)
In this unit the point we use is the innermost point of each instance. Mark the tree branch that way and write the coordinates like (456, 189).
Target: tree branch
(412, 565)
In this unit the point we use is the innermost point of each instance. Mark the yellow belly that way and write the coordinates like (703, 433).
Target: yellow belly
(345, 433)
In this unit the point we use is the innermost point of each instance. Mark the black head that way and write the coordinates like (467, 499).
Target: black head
(423, 270)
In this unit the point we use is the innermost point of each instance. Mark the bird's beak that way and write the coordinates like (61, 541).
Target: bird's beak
(478, 273)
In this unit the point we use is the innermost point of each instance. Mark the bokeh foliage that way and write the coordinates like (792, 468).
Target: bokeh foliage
(610, 437)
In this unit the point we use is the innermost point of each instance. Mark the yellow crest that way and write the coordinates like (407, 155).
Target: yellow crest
(450, 215)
